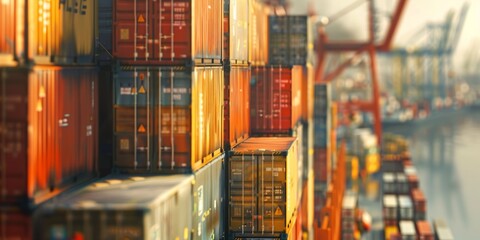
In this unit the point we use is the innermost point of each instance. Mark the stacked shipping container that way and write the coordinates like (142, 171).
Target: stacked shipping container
(263, 193)
(48, 105)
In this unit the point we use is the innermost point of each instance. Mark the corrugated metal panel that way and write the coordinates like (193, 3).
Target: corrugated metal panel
(258, 26)
(159, 131)
(62, 32)
(121, 207)
(49, 130)
(236, 105)
(12, 30)
(236, 21)
(15, 224)
(208, 197)
(168, 32)
(275, 100)
(263, 195)
(322, 166)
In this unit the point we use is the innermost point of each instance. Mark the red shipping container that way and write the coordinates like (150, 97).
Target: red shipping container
(62, 32)
(48, 131)
(157, 131)
(275, 100)
(419, 201)
(424, 230)
(167, 32)
(12, 14)
(236, 105)
(322, 165)
(15, 225)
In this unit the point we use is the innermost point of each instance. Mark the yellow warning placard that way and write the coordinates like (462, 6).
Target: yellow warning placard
(134, 90)
(142, 89)
(141, 128)
(141, 19)
(278, 212)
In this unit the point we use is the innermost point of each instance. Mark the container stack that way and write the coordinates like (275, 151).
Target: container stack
(349, 206)
(404, 205)
(164, 63)
(48, 106)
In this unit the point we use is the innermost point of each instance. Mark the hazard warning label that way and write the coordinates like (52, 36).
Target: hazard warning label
(141, 128)
(278, 212)
(141, 19)
(142, 90)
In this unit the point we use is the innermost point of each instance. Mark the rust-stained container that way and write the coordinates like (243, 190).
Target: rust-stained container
(236, 105)
(12, 31)
(62, 32)
(235, 30)
(258, 33)
(424, 230)
(157, 131)
(14, 224)
(275, 96)
(49, 131)
(167, 32)
(121, 207)
(263, 195)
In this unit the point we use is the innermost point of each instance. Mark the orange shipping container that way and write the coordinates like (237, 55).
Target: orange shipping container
(168, 119)
(48, 131)
(12, 30)
(236, 19)
(236, 105)
(62, 32)
(258, 29)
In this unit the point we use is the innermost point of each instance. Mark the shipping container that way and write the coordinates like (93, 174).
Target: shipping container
(402, 183)
(208, 201)
(15, 224)
(275, 100)
(389, 185)
(419, 203)
(48, 130)
(405, 207)
(407, 230)
(442, 231)
(62, 32)
(389, 231)
(263, 195)
(288, 40)
(307, 76)
(168, 32)
(235, 30)
(321, 115)
(424, 230)
(390, 208)
(236, 105)
(157, 131)
(122, 207)
(258, 29)
(322, 168)
(12, 32)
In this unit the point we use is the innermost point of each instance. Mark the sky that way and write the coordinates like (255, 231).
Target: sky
(416, 15)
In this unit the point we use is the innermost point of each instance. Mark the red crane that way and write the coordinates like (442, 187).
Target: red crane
(324, 47)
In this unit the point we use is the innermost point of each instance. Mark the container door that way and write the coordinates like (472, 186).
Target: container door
(243, 187)
(272, 196)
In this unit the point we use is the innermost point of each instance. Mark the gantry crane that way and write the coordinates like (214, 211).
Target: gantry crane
(370, 47)
(422, 70)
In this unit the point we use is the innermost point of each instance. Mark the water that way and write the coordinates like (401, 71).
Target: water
(446, 153)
